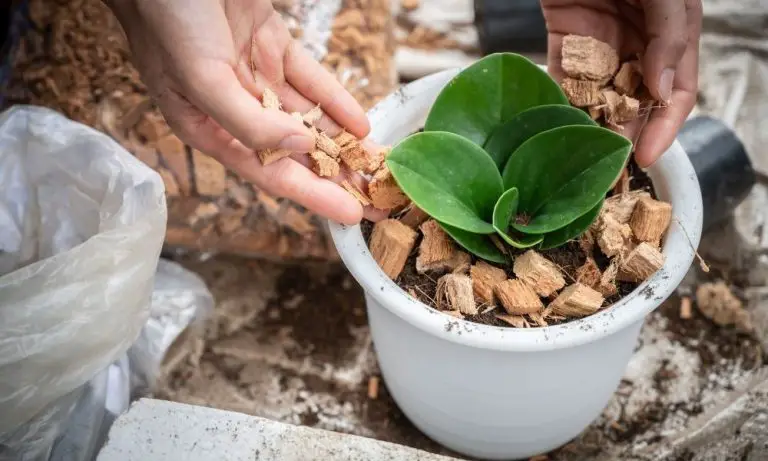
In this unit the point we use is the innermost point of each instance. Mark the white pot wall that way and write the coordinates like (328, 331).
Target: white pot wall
(503, 393)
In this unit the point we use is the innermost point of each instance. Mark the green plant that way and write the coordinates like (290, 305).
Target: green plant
(504, 153)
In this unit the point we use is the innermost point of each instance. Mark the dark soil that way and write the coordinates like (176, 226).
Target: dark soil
(569, 257)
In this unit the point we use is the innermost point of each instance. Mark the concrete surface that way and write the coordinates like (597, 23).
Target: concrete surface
(155, 430)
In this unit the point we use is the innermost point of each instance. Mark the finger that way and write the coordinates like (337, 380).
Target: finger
(293, 101)
(318, 85)
(662, 127)
(664, 123)
(666, 24)
(284, 178)
(217, 92)
(345, 174)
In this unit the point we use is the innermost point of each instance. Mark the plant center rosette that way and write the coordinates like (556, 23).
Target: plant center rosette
(507, 171)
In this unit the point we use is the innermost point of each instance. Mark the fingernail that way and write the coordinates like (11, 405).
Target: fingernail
(665, 84)
(297, 143)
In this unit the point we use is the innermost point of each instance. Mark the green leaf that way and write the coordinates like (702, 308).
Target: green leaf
(449, 177)
(490, 92)
(572, 230)
(563, 173)
(510, 135)
(477, 244)
(504, 213)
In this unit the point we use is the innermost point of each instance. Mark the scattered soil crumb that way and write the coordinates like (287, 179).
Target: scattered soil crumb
(718, 303)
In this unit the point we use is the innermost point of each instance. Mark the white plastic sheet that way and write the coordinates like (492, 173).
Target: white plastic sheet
(180, 301)
(81, 228)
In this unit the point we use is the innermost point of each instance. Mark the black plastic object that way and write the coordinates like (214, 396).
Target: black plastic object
(725, 173)
(510, 25)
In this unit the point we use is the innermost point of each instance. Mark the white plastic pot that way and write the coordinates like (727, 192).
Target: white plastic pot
(504, 393)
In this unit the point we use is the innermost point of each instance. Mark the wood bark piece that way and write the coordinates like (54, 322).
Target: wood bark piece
(517, 297)
(641, 263)
(587, 241)
(391, 242)
(650, 220)
(619, 109)
(485, 277)
(607, 284)
(210, 175)
(454, 293)
(354, 156)
(538, 272)
(414, 216)
(174, 154)
(718, 303)
(313, 116)
(326, 144)
(581, 93)
(384, 192)
(436, 249)
(595, 113)
(437, 252)
(620, 207)
(356, 192)
(517, 321)
(349, 18)
(577, 300)
(376, 160)
(268, 156)
(270, 100)
(323, 164)
(628, 78)
(538, 318)
(588, 58)
(344, 139)
(686, 309)
(588, 273)
(614, 238)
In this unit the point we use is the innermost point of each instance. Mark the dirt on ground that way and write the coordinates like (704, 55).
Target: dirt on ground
(291, 343)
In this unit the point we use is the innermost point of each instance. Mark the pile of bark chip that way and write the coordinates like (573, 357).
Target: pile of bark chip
(75, 59)
(596, 80)
(619, 251)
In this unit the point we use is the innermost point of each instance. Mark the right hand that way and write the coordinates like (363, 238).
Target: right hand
(207, 62)
(664, 32)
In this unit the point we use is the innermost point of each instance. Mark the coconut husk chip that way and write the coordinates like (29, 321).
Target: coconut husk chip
(596, 80)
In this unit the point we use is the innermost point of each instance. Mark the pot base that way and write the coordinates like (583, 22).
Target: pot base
(496, 405)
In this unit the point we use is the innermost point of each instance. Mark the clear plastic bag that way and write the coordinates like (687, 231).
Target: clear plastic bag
(180, 303)
(81, 228)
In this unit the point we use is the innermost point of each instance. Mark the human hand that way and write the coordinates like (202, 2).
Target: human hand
(665, 33)
(207, 62)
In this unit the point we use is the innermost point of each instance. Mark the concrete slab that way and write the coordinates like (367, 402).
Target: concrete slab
(155, 430)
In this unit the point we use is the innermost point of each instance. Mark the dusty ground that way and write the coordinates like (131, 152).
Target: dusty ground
(291, 343)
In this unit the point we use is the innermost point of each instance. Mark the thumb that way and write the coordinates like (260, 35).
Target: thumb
(218, 93)
(666, 24)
